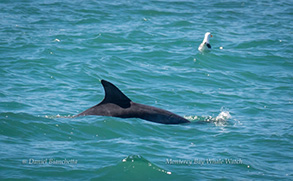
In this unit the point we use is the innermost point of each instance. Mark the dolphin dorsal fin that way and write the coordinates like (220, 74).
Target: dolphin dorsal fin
(114, 95)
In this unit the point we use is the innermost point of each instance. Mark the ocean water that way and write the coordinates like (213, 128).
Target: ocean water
(238, 97)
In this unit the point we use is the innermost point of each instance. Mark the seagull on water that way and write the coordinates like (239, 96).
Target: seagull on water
(205, 45)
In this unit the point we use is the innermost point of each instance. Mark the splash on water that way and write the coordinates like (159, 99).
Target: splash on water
(57, 116)
(220, 120)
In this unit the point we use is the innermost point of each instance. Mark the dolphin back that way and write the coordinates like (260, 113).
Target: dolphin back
(117, 104)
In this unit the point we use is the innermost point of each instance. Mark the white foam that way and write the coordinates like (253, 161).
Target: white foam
(221, 119)
(191, 118)
(224, 115)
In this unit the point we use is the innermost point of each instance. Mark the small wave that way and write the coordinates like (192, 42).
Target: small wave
(140, 161)
(133, 167)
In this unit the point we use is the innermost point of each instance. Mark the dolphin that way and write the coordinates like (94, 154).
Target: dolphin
(116, 104)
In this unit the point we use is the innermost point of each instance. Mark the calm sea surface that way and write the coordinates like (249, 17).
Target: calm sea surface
(239, 96)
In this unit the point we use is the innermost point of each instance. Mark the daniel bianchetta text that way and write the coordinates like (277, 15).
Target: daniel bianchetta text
(204, 161)
(49, 161)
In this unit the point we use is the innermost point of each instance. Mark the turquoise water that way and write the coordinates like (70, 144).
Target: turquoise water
(238, 97)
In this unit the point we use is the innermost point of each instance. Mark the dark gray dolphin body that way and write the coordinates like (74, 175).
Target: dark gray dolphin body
(116, 104)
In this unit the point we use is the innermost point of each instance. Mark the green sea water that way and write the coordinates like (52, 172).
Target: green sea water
(238, 97)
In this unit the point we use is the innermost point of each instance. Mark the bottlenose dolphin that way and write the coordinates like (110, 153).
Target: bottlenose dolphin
(116, 104)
